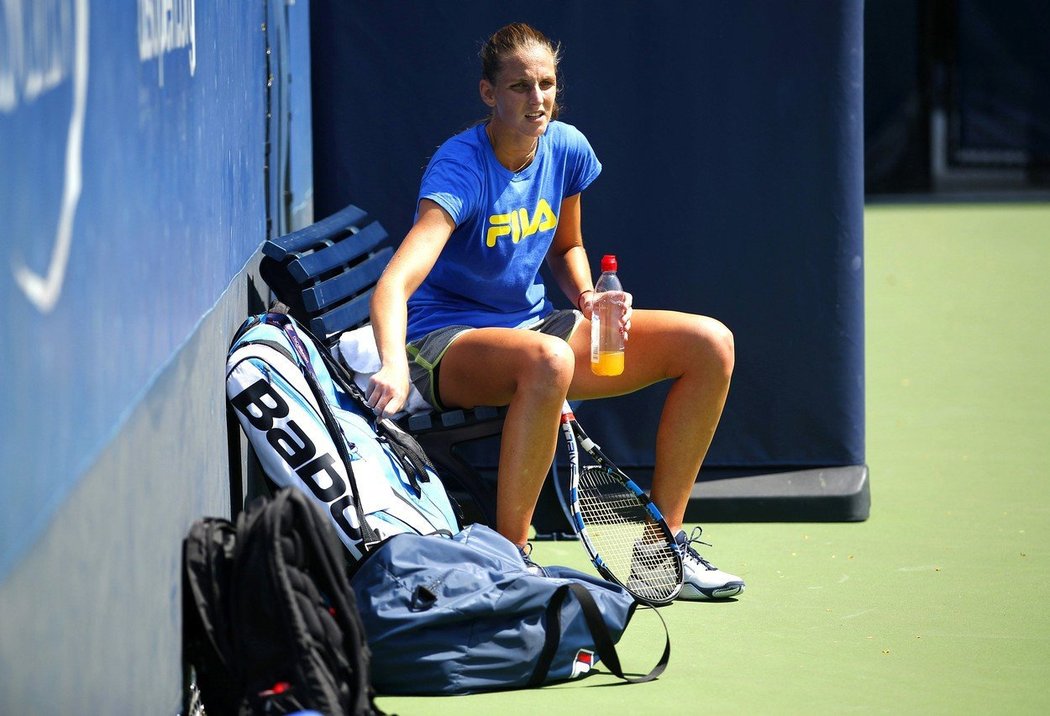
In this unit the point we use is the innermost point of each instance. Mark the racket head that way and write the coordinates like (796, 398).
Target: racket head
(625, 534)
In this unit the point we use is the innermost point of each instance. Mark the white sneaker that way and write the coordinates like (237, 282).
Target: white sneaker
(703, 580)
(653, 572)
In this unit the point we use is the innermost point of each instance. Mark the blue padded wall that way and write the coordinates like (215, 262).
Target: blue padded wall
(731, 139)
(133, 190)
(131, 185)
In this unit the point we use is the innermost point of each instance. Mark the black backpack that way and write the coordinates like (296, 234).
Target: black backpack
(270, 621)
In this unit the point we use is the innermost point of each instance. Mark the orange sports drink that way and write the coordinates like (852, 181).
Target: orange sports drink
(606, 313)
(608, 363)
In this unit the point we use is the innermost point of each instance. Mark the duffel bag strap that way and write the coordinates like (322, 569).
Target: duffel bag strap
(603, 642)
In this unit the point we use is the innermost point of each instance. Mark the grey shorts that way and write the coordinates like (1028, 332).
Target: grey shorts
(425, 354)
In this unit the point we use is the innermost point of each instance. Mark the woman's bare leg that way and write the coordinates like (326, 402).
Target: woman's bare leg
(529, 372)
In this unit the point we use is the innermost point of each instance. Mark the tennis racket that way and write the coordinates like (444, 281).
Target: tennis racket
(623, 531)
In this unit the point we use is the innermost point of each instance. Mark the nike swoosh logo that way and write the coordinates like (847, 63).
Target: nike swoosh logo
(44, 291)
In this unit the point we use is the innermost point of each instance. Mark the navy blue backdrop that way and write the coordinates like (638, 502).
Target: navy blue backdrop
(731, 139)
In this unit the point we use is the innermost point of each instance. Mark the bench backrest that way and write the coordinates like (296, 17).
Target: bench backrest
(326, 272)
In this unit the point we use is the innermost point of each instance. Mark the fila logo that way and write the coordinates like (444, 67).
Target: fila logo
(518, 224)
(582, 663)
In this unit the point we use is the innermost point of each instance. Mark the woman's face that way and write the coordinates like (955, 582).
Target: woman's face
(522, 99)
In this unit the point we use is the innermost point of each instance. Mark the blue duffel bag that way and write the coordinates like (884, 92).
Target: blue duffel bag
(464, 615)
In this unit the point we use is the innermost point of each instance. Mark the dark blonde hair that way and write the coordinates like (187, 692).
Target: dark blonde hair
(509, 39)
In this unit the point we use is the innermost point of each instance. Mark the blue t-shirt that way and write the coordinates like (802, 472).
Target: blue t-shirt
(488, 272)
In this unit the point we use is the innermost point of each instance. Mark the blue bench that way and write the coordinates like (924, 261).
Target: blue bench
(326, 273)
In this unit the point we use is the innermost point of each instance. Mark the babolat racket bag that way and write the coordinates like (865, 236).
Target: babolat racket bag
(465, 615)
(313, 431)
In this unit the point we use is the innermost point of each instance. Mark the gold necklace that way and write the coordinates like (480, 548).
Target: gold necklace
(528, 157)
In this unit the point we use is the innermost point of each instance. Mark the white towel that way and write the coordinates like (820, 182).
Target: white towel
(359, 353)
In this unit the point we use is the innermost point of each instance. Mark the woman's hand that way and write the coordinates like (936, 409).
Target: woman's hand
(625, 318)
(388, 390)
(622, 299)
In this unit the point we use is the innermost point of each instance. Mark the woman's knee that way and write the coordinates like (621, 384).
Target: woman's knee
(714, 344)
(725, 345)
(548, 365)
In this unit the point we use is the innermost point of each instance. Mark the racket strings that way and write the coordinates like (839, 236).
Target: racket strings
(630, 542)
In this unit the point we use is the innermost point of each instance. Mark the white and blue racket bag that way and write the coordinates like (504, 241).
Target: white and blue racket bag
(311, 430)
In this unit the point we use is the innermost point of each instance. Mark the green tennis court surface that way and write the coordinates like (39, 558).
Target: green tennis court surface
(940, 602)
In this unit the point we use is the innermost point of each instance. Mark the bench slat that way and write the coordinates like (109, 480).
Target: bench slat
(342, 253)
(342, 222)
(346, 285)
(344, 317)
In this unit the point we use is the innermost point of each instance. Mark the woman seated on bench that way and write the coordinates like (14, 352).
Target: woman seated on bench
(464, 291)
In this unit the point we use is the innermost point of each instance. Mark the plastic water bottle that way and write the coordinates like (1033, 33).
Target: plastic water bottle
(606, 339)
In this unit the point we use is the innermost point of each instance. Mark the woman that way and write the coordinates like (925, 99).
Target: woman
(463, 289)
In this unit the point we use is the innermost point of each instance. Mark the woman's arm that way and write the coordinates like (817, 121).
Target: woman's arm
(568, 263)
(567, 258)
(410, 264)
